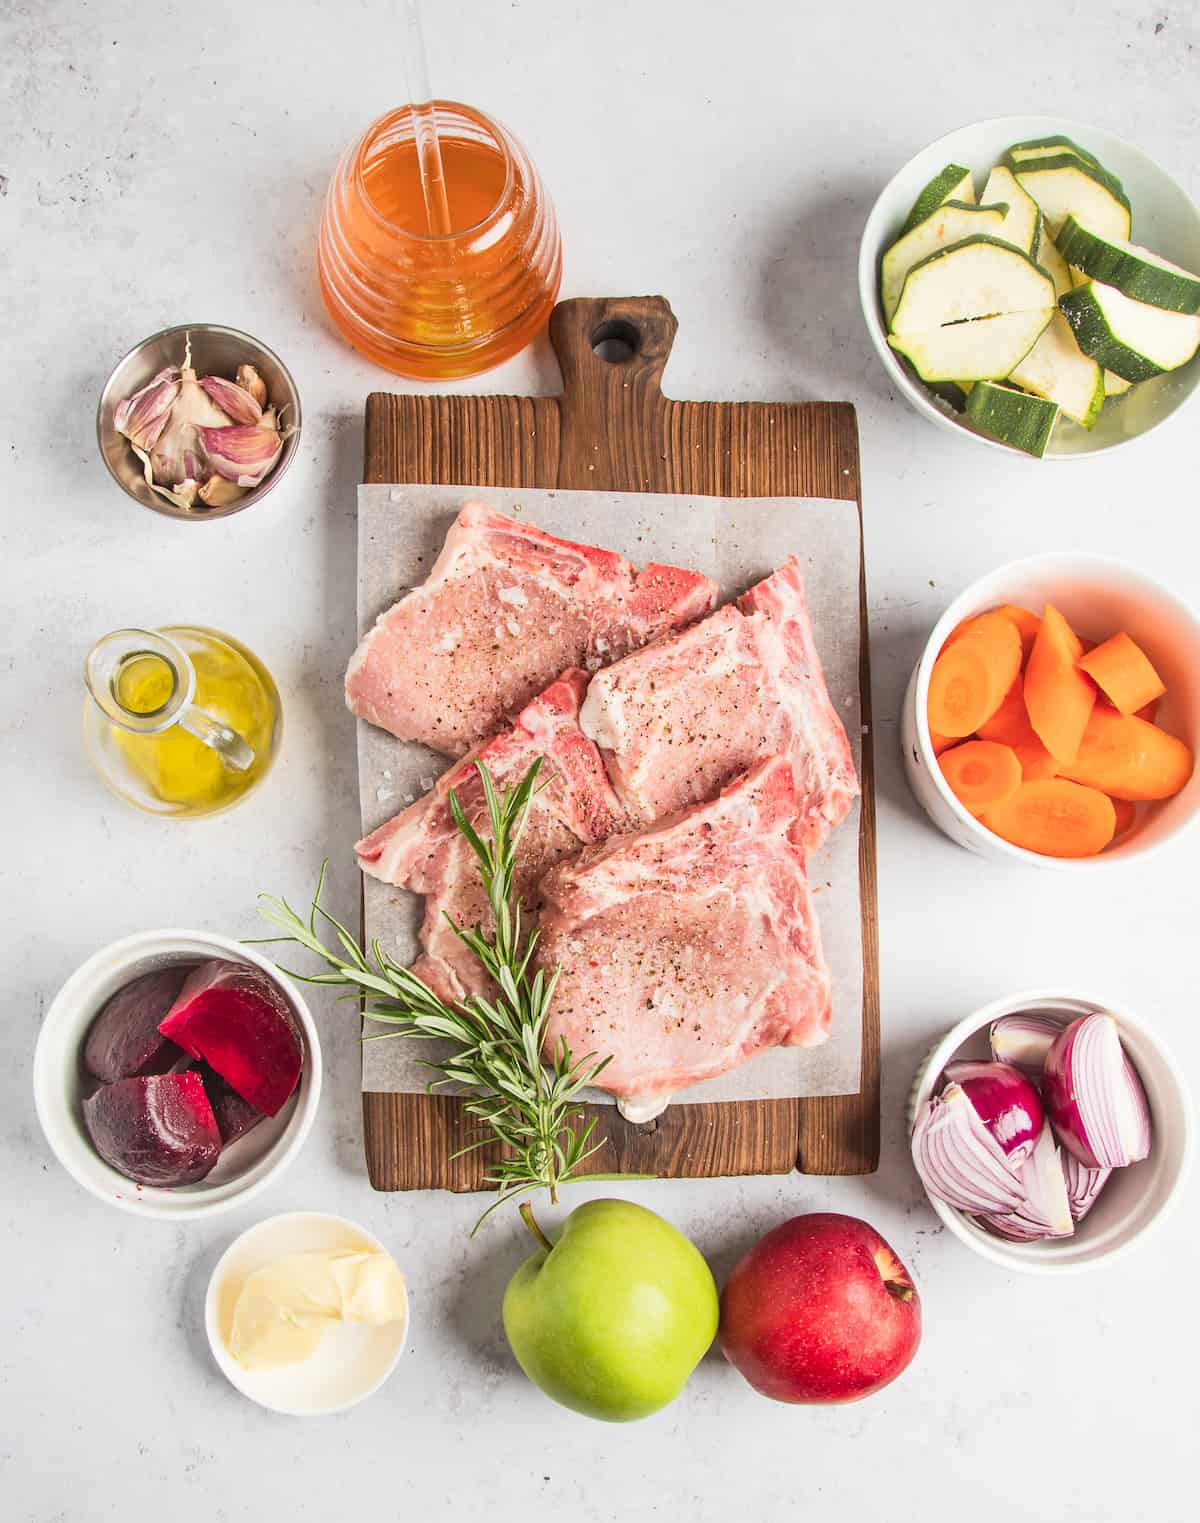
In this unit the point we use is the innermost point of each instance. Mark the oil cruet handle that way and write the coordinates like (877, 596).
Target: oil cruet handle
(102, 672)
(227, 743)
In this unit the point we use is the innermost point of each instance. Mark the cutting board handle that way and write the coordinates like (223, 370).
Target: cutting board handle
(612, 351)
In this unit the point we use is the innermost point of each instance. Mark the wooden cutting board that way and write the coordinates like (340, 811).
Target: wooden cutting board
(613, 429)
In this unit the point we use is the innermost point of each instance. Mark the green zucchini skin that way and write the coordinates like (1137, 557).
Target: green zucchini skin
(1039, 147)
(1022, 422)
(1135, 277)
(1083, 308)
(946, 185)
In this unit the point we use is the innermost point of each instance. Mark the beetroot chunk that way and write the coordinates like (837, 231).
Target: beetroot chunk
(157, 1129)
(235, 1116)
(124, 1039)
(235, 1018)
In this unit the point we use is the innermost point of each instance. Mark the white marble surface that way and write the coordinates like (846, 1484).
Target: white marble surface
(165, 162)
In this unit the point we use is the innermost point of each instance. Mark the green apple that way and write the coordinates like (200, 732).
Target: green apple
(612, 1316)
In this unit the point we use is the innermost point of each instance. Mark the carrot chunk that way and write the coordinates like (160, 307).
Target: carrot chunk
(1126, 814)
(1055, 818)
(973, 672)
(942, 743)
(1010, 726)
(1123, 673)
(1059, 698)
(1027, 624)
(1129, 759)
(981, 773)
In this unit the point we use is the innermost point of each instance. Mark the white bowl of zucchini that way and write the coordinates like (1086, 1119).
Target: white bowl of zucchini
(1035, 283)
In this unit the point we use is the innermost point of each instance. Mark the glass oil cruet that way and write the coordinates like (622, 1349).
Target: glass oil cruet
(179, 721)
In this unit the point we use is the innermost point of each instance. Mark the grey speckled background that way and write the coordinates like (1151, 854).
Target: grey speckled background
(159, 163)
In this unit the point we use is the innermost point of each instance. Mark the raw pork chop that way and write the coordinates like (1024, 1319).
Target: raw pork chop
(689, 947)
(505, 609)
(422, 849)
(677, 720)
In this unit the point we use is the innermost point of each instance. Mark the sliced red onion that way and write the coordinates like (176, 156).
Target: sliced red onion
(1083, 1184)
(232, 399)
(1045, 1210)
(243, 454)
(959, 1160)
(1024, 1040)
(1093, 1096)
(1007, 1103)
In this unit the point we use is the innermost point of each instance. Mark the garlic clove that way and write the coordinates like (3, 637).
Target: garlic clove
(143, 416)
(194, 410)
(249, 380)
(268, 419)
(234, 400)
(241, 454)
(219, 493)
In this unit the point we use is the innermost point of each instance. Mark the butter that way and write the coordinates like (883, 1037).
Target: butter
(284, 1309)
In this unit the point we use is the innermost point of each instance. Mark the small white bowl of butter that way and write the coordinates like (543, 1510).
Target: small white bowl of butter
(306, 1314)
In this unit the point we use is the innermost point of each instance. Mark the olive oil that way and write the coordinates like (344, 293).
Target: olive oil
(187, 728)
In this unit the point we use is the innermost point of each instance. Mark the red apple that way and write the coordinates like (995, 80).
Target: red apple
(820, 1310)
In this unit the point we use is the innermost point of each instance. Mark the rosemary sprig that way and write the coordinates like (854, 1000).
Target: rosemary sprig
(523, 1095)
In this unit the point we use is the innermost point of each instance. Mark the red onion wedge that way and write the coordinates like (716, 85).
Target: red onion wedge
(959, 1160)
(1093, 1096)
(1045, 1210)
(1024, 1040)
(1006, 1102)
(1083, 1184)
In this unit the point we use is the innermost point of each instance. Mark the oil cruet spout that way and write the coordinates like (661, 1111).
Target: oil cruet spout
(144, 683)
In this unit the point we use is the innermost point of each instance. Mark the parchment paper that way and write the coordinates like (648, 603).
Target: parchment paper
(737, 541)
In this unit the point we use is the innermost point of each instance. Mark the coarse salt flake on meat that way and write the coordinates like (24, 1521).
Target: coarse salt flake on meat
(505, 609)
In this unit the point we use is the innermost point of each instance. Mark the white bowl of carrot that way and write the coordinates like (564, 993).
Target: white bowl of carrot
(1054, 714)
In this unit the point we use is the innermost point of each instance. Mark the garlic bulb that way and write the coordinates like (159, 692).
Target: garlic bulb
(202, 440)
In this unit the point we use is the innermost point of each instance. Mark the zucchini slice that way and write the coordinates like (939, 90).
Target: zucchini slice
(1054, 265)
(1023, 224)
(1115, 385)
(1042, 147)
(1058, 370)
(1133, 270)
(1013, 418)
(1133, 339)
(954, 183)
(986, 349)
(979, 277)
(1063, 185)
(949, 223)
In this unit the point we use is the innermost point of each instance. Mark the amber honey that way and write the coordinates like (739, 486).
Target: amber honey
(429, 306)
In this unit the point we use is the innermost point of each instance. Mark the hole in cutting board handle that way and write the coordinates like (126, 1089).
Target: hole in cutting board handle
(616, 341)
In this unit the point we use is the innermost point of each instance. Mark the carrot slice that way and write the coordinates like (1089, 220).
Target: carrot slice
(981, 773)
(1123, 673)
(942, 743)
(1059, 698)
(1027, 624)
(1129, 759)
(973, 672)
(1126, 814)
(1010, 726)
(1055, 818)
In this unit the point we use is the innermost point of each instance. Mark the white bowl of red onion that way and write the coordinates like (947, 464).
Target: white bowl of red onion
(1051, 1131)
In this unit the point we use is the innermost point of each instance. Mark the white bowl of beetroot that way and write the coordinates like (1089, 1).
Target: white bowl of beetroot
(177, 1074)
(1051, 1132)
(1054, 715)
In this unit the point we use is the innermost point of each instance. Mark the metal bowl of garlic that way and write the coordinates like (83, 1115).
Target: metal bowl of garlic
(214, 351)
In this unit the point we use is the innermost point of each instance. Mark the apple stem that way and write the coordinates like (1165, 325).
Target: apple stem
(530, 1221)
(898, 1288)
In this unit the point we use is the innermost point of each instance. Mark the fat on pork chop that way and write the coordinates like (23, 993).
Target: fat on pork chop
(676, 720)
(422, 849)
(504, 610)
(688, 947)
